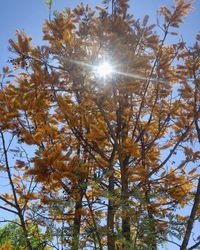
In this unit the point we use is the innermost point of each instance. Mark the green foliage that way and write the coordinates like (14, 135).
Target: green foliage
(13, 234)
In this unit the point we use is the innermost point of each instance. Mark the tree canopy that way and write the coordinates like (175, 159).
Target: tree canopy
(103, 160)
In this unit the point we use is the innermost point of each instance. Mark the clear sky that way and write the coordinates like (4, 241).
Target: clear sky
(30, 14)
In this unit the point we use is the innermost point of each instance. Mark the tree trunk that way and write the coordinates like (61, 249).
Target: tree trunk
(126, 227)
(126, 232)
(29, 246)
(191, 219)
(152, 242)
(111, 214)
(77, 224)
(152, 230)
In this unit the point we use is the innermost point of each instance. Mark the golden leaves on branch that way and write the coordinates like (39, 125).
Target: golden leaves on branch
(129, 147)
(137, 173)
(96, 134)
(8, 246)
(8, 196)
(175, 16)
(179, 186)
(61, 27)
(22, 48)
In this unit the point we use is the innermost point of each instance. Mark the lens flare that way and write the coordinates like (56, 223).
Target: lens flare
(104, 70)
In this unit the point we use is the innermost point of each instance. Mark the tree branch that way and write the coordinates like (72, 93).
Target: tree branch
(191, 219)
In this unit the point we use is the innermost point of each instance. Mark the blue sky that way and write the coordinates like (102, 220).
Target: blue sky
(30, 14)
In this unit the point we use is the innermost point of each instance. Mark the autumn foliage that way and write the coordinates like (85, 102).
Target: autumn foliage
(103, 163)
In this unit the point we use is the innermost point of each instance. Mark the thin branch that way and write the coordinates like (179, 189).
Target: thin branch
(8, 202)
(194, 246)
(9, 210)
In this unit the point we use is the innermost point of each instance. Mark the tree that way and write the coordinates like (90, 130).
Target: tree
(105, 145)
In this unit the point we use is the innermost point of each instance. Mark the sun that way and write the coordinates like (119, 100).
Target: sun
(104, 70)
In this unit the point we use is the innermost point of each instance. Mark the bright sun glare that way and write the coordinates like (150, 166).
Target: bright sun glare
(104, 70)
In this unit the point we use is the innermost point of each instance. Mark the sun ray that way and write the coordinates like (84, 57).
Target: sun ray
(105, 70)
